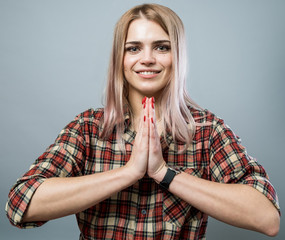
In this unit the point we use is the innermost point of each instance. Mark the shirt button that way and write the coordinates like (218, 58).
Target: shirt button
(143, 212)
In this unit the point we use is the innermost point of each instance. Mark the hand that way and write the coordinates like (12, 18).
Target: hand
(139, 158)
(147, 154)
(156, 165)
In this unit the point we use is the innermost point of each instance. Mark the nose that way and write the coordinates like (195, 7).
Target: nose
(147, 57)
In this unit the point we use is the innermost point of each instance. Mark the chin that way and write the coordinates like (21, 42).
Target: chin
(151, 92)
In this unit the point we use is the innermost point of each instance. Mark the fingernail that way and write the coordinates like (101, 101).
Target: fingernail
(144, 118)
(152, 105)
(151, 120)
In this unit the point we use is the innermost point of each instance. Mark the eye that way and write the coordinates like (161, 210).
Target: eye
(132, 49)
(163, 48)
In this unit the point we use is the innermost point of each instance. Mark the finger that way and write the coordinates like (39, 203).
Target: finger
(142, 117)
(145, 124)
(152, 110)
(141, 121)
(153, 127)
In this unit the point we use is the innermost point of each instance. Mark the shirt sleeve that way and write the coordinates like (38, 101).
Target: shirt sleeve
(64, 158)
(230, 163)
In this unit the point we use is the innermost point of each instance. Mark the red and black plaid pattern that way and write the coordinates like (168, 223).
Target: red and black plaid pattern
(144, 210)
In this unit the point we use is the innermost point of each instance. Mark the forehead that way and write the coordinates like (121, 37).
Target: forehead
(145, 30)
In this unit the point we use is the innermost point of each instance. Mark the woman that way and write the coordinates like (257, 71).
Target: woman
(151, 164)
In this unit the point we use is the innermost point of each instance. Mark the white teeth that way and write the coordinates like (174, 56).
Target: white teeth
(147, 73)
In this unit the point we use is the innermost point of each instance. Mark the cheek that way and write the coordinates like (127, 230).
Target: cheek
(167, 61)
(129, 62)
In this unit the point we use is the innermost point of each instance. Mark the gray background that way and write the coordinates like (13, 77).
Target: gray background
(53, 64)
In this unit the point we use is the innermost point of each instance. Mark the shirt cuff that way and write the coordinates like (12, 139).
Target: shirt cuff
(20, 197)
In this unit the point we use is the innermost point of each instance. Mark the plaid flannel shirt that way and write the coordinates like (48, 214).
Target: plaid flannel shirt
(144, 210)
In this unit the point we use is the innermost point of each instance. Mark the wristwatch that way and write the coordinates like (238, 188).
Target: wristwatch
(170, 174)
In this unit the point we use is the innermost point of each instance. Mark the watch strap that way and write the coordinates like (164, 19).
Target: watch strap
(170, 174)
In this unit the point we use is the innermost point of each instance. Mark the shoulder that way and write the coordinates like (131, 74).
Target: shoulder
(89, 120)
(214, 127)
(204, 116)
(91, 115)
(209, 124)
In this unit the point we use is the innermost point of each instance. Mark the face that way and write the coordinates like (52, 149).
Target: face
(147, 59)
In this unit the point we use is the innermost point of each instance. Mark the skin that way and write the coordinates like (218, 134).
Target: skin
(235, 204)
(147, 48)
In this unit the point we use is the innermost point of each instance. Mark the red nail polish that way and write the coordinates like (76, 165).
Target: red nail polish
(144, 105)
(144, 118)
(144, 99)
(152, 100)
(152, 105)
(151, 120)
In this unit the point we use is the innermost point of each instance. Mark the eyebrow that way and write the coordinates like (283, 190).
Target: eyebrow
(155, 42)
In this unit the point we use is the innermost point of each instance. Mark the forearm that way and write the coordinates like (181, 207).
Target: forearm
(58, 197)
(236, 204)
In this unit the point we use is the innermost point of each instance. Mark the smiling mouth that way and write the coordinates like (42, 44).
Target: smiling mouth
(147, 73)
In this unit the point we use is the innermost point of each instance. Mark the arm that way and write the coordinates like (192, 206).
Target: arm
(58, 197)
(54, 185)
(236, 204)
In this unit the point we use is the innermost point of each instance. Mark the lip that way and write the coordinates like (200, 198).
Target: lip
(147, 73)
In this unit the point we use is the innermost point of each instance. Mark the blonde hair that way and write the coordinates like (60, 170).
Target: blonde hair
(175, 102)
